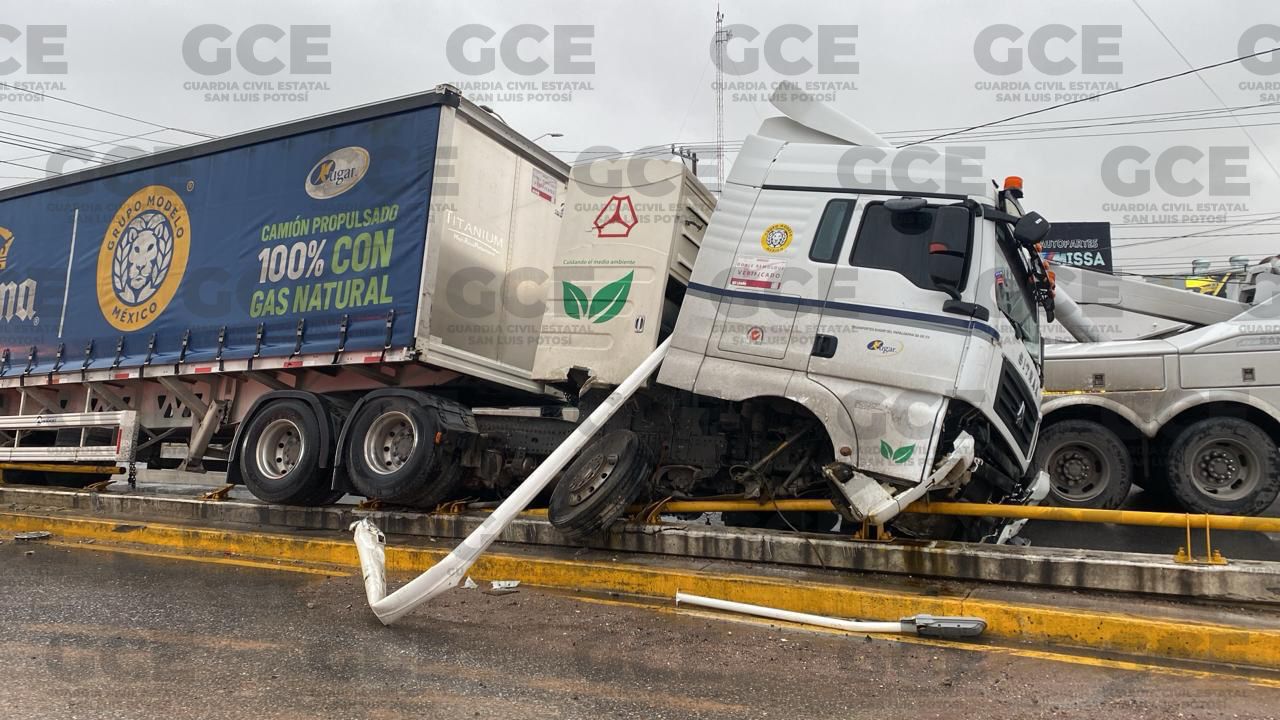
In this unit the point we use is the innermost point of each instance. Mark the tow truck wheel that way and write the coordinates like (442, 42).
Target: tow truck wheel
(280, 453)
(1089, 465)
(391, 454)
(1224, 466)
(596, 488)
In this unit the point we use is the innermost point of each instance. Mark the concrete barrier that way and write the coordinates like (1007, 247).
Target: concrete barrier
(1239, 581)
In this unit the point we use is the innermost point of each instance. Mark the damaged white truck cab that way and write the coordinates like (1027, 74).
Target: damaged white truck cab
(890, 293)
(860, 323)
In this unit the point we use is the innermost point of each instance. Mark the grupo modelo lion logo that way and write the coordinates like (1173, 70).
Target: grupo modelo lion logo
(143, 257)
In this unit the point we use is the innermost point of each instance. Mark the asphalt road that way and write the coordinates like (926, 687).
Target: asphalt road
(92, 634)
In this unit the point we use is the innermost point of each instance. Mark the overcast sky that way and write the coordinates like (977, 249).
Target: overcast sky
(642, 74)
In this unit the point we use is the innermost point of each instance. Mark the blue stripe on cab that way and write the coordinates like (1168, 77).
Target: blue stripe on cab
(898, 313)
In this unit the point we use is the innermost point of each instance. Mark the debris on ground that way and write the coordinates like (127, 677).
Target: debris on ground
(502, 587)
(33, 535)
(469, 584)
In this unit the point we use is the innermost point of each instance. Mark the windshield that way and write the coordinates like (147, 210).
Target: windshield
(1014, 296)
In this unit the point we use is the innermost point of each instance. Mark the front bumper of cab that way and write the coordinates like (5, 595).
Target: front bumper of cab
(862, 498)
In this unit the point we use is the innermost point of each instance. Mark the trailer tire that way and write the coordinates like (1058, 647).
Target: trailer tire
(596, 488)
(1089, 466)
(1224, 466)
(391, 454)
(279, 455)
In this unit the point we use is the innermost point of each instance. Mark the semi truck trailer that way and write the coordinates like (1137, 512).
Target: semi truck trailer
(412, 302)
(1189, 411)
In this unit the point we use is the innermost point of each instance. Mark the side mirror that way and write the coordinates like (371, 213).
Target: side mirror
(1031, 229)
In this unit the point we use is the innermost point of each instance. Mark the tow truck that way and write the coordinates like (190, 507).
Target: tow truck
(1185, 404)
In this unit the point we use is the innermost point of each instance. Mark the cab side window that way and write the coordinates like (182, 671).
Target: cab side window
(834, 225)
(924, 246)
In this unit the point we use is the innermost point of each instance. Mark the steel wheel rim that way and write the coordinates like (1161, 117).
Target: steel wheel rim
(1225, 468)
(280, 448)
(1078, 471)
(592, 477)
(390, 442)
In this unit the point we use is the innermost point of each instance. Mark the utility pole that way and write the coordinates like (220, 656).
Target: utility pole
(721, 39)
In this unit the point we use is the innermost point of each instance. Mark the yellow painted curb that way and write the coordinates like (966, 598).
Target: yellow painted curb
(1112, 632)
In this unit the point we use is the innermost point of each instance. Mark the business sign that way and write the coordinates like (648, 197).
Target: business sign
(1079, 244)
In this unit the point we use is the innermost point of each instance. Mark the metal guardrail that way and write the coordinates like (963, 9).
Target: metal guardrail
(1143, 518)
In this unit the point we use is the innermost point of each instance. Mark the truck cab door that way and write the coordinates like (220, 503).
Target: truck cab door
(884, 342)
(774, 287)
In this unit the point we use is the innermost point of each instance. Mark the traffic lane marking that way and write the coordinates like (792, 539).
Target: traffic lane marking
(188, 557)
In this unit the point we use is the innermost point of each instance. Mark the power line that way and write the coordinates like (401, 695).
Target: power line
(74, 125)
(86, 137)
(1154, 237)
(1014, 137)
(1095, 97)
(1196, 234)
(53, 148)
(103, 142)
(1208, 87)
(1134, 119)
(108, 112)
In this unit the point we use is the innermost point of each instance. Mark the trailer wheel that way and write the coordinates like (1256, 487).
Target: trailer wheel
(280, 454)
(1089, 465)
(1224, 466)
(391, 454)
(597, 487)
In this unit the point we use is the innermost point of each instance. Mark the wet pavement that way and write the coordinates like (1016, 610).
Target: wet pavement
(91, 634)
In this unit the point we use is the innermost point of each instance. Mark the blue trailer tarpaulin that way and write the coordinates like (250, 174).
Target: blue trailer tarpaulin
(288, 245)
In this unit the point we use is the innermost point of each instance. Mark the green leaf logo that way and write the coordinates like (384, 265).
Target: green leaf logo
(607, 303)
(575, 301)
(899, 456)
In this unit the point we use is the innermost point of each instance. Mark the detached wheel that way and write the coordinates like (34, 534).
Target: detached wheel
(1089, 466)
(391, 454)
(279, 455)
(1224, 466)
(596, 489)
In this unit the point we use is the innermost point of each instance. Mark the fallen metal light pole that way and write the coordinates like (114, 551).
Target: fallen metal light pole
(449, 572)
(923, 625)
